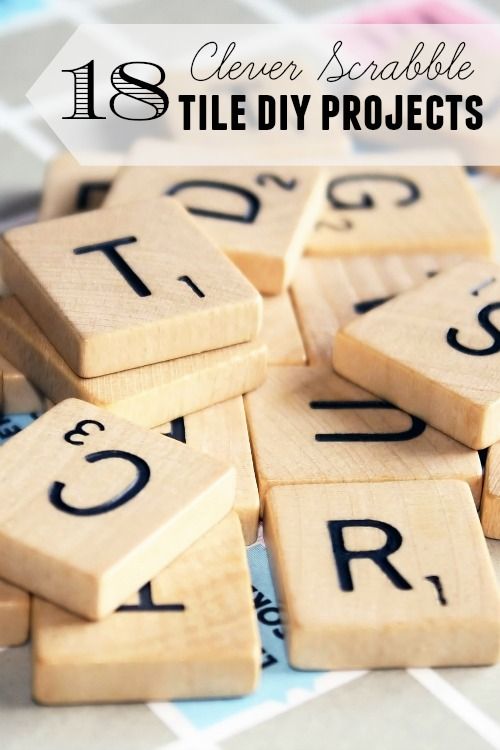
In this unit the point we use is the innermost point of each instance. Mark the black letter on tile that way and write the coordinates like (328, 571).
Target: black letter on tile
(483, 318)
(252, 201)
(370, 304)
(80, 430)
(380, 556)
(263, 179)
(190, 283)
(436, 582)
(146, 603)
(366, 200)
(109, 250)
(415, 430)
(141, 480)
(177, 430)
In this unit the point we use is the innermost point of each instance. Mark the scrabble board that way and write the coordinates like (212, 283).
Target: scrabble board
(411, 708)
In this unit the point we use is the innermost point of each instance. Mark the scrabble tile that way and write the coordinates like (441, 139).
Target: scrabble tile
(309, 426)
(330, 292)
(394, 574)
(281, 332)
(147, 395)
(221, 431)
(18, 395)
(116, 289)
(71, 187)
(434, 351)
(261, 217)
(490, 500)
(14, 615)
(87, 538)
(377, 210)
(203, 643)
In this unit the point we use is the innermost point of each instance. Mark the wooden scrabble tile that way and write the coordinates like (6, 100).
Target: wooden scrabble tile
(14, 615)
(330, 292)
(191, 633)
(129, 286)
(87, 538)
(261, 217)
(281, 332)
(221, 431)
(18, 395)
(71, 187)
(490, 500)
(309, 426)
(145, 395)
(394, 574)
(377, 210)
(434, 351)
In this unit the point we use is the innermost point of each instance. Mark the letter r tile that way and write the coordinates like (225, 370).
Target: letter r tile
(120, 288)
(307, 425)
(105, 506)
(435, 352)
(389, 574)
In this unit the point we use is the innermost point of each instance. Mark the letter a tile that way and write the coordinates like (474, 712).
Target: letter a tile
(191, 633)
(261, 217)
(435, 352)
(125, 287)
(103, 508)
(383, 575)
(309, 426)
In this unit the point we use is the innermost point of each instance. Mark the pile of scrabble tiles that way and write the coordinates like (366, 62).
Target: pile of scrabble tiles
(212, 347)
